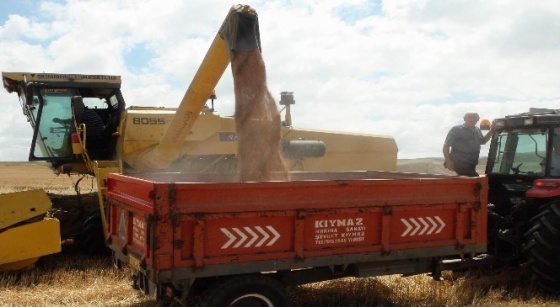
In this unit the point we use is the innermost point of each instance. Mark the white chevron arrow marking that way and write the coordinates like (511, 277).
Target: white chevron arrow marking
(242, 235)
(265, 236)
(425, 226)
(441, 223)
(408, 227)
(415, 229)
(419, 226)
(253, 234)
(231, 237)
(247, 236)
(434, 225)
(276, 235)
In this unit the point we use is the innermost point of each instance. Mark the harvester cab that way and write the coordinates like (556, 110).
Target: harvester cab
(59, 136)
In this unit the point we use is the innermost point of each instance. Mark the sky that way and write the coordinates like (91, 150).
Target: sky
(408, 69)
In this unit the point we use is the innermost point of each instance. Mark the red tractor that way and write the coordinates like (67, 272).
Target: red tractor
(523, 173)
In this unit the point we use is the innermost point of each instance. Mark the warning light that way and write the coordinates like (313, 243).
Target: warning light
(485, 124)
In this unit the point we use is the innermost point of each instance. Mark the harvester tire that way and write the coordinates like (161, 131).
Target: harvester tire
(543, 248)
(250, 290)
(90, 240)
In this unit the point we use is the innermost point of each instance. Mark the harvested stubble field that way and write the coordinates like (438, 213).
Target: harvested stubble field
(71, 279)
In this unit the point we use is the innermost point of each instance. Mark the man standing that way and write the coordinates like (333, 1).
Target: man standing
(461, 148)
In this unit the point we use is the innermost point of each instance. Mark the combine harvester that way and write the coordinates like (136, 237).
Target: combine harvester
(192, 138)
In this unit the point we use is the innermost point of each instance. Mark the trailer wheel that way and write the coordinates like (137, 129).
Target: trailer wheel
(543, 248)
(90, 238)
(252, 290)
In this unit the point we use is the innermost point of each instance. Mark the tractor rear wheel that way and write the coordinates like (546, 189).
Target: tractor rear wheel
(543, 248)
(251, 290)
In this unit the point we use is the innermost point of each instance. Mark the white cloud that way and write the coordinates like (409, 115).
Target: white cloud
(409, 69)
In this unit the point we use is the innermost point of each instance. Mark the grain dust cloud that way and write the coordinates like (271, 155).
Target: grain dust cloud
(257, 119)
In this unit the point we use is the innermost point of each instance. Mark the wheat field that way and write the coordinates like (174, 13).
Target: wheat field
(70, 279)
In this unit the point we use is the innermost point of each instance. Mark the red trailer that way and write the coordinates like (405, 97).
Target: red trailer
(229, 241)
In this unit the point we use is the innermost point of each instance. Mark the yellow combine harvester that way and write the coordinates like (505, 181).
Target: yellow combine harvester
(190, 138)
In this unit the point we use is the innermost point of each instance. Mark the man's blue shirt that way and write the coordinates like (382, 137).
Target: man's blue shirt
(465, 144)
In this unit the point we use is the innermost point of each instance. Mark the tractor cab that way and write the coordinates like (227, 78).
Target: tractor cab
(523, 161)
(59, 135)
(525, 147)
(527, 144)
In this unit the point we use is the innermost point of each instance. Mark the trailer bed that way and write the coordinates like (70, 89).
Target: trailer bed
(172, 224)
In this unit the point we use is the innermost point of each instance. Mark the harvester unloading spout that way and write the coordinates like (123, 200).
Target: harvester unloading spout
(239, 31)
